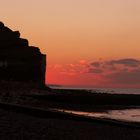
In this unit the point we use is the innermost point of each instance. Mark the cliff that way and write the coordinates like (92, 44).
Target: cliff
(18, 60)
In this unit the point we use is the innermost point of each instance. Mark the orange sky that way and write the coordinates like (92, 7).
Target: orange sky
(77, 33)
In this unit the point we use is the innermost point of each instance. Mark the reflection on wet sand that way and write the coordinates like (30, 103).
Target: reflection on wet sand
(132, 115)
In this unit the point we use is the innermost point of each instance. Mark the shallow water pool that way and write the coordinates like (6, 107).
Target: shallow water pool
(132, 115)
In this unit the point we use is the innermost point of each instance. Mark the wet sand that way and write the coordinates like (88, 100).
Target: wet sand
(82, 100)
(20, 126)
(16, 125)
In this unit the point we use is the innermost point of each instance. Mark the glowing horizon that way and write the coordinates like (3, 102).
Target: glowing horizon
(88, 43)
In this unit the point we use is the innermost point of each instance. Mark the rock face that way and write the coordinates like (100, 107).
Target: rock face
(18, 60)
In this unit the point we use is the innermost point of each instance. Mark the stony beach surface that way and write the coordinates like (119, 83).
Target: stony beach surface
(16, 125)
(19, 126)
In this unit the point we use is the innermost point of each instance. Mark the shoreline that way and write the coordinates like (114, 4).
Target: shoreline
(53, 113)
(76, 100)
(29, 114)
(18, 125)
(85, 100)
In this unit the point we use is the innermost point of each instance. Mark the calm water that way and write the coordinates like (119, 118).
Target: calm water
(125, 115)
(132, 115)
(116, 90)
(107, 90)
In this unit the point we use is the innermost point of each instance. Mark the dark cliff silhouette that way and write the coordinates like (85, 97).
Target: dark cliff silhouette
(18, 60)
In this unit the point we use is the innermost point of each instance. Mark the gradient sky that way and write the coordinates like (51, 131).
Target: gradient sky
(89, 43)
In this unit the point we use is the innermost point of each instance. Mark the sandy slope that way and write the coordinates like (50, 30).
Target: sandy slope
(18, 126)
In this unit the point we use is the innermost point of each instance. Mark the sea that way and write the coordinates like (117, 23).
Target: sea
(107, 90)
(127, 115)
(116, 90)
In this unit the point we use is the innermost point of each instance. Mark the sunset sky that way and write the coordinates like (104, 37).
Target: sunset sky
(89, 43)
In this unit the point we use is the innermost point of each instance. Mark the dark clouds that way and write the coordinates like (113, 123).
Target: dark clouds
(95, 70)
(126, 62)
(116, 72)
(113, 65)
(121, 71)
(96, 64)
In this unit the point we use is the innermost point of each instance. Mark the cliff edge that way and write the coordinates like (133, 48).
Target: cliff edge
(18, 60)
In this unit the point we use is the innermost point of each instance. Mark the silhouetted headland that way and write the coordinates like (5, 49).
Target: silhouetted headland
(19, 61)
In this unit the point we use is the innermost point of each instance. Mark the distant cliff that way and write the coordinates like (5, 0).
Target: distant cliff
(18, 60)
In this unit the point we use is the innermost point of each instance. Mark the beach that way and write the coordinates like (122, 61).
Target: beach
(22, 123)
(20, 126)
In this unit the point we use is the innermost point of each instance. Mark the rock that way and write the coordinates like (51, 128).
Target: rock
(18, 60)
(1, 25)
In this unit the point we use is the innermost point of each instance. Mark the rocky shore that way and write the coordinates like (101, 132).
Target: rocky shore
(18, 125)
